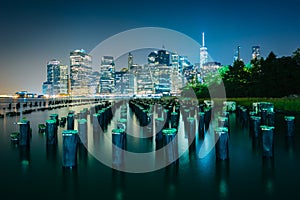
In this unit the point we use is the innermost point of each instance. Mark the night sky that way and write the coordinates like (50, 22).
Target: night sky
(36, 31)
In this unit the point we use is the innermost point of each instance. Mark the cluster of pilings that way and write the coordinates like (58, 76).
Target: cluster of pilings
(17, 107)
(102, 116)
(221, 135)
(70, 138)
(262, 124)
(261, 127)
(122, 121)
(141, 109)
(161, 118)
(242, 114)
(96, 108)
(119, 140)
(168, 110)
(157, 115)
(222, 128)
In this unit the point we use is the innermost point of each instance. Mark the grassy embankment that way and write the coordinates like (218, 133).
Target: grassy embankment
(288, 105)
(281, 104)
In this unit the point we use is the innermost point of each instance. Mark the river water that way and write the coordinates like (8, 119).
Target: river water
(36, 172)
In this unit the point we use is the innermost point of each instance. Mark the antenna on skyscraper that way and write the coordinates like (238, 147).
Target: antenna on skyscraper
(203, 40)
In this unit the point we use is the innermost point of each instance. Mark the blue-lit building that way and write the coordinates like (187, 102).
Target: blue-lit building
(143, 83)
(124, 82)
(107, 75)
(94, 84)
(256, 52)
(203, 53)
(161, 57)
(175, 61)
(209, 68)
(57, 79)
(80, 73)
(237, 54)
(47, 88)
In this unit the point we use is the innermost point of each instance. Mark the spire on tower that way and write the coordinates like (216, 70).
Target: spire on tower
(203, 41)
(203, 52)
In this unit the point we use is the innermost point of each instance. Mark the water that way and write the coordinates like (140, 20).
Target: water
(37, 172)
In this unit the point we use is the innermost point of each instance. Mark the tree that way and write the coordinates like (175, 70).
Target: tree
(236, 80)
(270, 77)
(255, 79)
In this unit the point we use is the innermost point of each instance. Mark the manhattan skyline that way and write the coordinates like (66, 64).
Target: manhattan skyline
(35, 32)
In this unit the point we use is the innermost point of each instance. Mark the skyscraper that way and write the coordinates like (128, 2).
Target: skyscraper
(203, 52)
(94, 86)
(175, 60)
(143, 83)
(152, 58)
(161, 57)
(57, 78)
(176, 76)
(209, 68)
(80, 72)
(237, 54)
(130, 61)
(107, 75)
(60, 84)
(255, 52)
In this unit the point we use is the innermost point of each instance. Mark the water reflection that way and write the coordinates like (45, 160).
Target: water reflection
(194, 170)
(222, 176)
(118, 147)
(118, 185)
(52, 154)
(82, 155)
(24, 157)
(268, 176)
(171, 180)
(290, 146)
(256, 146)
(70, 186)
(96, 133)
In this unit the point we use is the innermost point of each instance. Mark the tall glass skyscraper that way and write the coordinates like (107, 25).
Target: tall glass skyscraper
(203, 52)
(161, 57)
(256, 52)
(107, 75)
(80, 72)
(57, 78)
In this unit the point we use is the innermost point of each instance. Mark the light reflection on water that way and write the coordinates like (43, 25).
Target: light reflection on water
(246, 174)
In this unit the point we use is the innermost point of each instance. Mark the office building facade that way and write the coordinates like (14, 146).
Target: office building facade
(80, 73)
(57, 79)
(107, 75)
(255, 52)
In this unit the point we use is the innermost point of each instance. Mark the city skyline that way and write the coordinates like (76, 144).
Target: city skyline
(35, 32)
(164, 73)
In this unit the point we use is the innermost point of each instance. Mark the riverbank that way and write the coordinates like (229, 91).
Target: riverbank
(281, 105)
(284, 105)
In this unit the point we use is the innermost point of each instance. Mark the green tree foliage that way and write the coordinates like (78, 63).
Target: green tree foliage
(270, 77)
(236, 80)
